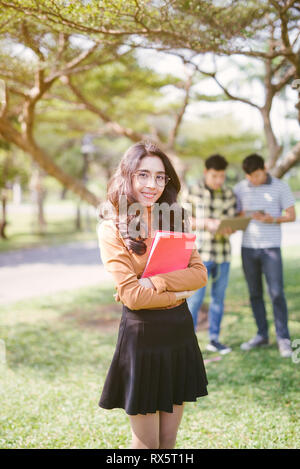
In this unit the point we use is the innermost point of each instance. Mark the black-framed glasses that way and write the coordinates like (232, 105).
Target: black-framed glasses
(160, 179)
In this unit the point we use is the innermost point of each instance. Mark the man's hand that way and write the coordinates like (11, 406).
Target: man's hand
(289, 216)
(211, 224)
(263, 217)
(227, 231)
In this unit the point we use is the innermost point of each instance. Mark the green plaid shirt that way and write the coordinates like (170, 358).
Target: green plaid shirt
(208, 203)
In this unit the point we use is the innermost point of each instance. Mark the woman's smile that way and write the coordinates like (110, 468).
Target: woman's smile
(148, 195)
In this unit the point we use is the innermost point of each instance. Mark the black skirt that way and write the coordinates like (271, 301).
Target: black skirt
(157, 362)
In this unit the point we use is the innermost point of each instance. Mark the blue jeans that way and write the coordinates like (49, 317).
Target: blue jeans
(268, 262)
(220, 275)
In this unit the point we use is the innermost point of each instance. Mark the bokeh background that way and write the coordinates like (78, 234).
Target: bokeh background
(79, 83)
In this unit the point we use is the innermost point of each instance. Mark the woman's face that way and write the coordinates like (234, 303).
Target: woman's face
(144, 183)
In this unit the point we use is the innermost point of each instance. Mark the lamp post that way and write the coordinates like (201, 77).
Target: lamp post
(87, 149)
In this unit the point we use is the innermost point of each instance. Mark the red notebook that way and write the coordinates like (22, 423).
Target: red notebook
(170, 250)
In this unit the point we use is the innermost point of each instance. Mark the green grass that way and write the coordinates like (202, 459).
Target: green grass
(58, 351)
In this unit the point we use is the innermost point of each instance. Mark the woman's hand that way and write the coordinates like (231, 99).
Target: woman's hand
(116, 296)
(146, 282)
(263, 217)
(180, 295)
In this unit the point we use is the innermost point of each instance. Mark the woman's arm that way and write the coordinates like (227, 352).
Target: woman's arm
(146, 282)
(191, 278)
(117, 261)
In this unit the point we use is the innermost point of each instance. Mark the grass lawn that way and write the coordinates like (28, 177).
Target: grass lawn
(58, 350)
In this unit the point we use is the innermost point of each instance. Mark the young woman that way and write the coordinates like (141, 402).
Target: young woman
(157, 364)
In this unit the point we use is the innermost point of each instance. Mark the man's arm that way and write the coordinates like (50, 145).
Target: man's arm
(289, 216)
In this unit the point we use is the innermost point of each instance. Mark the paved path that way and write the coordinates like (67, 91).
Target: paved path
(46, 270)
(39, 271)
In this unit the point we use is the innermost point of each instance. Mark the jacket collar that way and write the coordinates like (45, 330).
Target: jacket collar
(268, 181)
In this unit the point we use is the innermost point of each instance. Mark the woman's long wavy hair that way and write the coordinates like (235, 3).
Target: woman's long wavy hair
(120, 184)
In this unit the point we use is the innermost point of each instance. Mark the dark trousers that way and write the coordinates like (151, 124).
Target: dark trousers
(257, 262)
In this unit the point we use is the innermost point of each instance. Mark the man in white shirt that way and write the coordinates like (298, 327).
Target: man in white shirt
(264, 198)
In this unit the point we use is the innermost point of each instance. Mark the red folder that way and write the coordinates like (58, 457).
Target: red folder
(170, 250)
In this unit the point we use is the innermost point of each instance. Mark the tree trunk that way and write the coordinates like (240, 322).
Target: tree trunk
(273, 147)
(290, 159)
(63, 193)
(3, 222)
(10, 134)
(38, 197)
(41, 195)
(68, 181)
(78, 223)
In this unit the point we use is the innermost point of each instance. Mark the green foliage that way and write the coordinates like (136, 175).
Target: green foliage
(41, 41)
(294, 179)
(200, 139)
(10, 169)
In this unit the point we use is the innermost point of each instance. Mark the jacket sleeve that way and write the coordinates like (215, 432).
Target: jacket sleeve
(116, 259)
(191, 278)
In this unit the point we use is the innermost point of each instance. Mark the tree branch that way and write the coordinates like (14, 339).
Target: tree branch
(289, 160)
(290, 73)
(44, 161)
(72, 64)
(114, 126)
(32, 98)
(42, 84)
(62, 45)
(284, 20)
(213, 75)
(57, 19)
(179, 117)
(236, 98)
(10, 134)
(3, 99)
(29, 42)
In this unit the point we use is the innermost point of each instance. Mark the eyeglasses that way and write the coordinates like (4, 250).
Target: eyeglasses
(143, 178)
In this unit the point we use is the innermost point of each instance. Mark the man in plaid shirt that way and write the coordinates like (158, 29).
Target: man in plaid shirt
(211, 201)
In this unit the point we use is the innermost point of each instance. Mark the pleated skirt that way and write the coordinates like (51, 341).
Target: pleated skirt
(157, 362)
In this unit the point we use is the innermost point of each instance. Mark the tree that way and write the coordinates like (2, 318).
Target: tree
(68, 46)
(58, 68)
(27, 82)
(271, 37)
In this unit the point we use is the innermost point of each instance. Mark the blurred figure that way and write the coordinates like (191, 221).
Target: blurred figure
(264, 197)
(214, 201)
